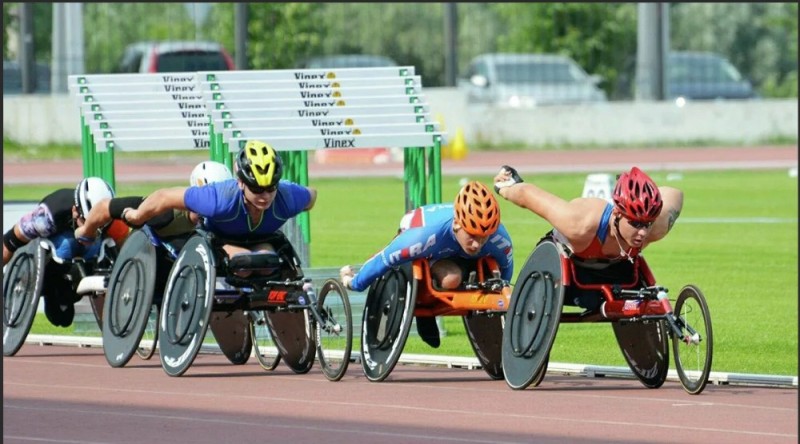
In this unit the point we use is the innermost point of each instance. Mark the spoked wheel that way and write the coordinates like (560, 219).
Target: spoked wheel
(187, 306)
(149, 341)
(388, 312)
(129, 299)
(645, 347)
(335, 334)
(263, 345)
(694, 350)
(533, 317)
(22, 287)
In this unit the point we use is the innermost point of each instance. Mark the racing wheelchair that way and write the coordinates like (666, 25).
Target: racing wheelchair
(624, 294)
(275, 293)
(35, 271)
(408, 290)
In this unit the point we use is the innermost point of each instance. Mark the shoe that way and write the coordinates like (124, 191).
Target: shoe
(428, 330)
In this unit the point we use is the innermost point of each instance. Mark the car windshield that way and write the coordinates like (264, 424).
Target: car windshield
(538, 72)
(191, 61)
(705, 69)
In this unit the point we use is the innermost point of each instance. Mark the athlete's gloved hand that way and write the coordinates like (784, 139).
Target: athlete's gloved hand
(346, 274)
(505, 178)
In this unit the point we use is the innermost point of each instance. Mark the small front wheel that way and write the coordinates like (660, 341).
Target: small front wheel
(266, 352)
(694, 349)
(335, 333)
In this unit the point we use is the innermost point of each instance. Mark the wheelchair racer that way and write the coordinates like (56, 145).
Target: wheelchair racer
(602, 238)
(171, 227)
(448, 235)
(244, 212)
(55, 218)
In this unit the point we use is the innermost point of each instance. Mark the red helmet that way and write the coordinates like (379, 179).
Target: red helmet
(637, 197)
(476, 210)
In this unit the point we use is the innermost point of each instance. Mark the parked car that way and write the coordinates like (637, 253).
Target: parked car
(527, 80)
(346, 61)
(175, 56)
(705, 76)
(12, 78)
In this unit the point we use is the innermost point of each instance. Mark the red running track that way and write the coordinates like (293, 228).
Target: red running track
(71, 395)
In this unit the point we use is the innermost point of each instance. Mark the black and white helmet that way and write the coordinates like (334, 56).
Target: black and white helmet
(89, 192)
(208, 172)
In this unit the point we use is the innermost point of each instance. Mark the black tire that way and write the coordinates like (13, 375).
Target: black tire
(291, 331)
(533, 316)
(126, 306)
(187, 306)
(485, 333)
(22, 288)
(266, 352)
(97, 301)
(149, 342)
(694, 352)
(388, 312)
(645, 347)
(232, 333)
(539, 376)
(335, 336)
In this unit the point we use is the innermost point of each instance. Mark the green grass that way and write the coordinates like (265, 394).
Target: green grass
(746, 269)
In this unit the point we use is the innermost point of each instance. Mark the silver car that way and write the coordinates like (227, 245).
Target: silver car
(528, 80)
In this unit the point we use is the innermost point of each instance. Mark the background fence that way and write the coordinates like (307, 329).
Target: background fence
(615, 42)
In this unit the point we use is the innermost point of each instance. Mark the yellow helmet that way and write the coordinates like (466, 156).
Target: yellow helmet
(259, 165)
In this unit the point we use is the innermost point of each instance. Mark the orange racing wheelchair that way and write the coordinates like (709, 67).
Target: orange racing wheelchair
(408, 291)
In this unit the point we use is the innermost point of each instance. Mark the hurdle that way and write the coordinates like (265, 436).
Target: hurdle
(293, 110)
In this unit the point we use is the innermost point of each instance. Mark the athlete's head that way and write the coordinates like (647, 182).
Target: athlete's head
(259, 167)
(89, 192)
(477, 216)
(637, 197)
(208, 172)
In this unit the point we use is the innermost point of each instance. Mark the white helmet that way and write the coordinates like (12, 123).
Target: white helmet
(89, 192)
(207, 172)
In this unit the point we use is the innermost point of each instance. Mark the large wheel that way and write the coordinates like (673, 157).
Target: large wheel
(149, 342)
(232, 332)
(485, 334)
(22, 287)
(694, 351)
(388, 312)
(335, 334)
(645, 347)
(187, 306)
(129, 299)
(533, 316)
(292, 334)
(264, 346)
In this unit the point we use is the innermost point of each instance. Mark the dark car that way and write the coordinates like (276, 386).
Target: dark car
(174, 56)
(705, 76)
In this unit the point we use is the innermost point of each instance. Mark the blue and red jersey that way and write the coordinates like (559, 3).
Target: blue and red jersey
(427, 232)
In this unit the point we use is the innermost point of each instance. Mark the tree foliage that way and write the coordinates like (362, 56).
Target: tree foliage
(759, 38)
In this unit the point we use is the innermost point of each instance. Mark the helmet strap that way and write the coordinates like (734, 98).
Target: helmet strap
(622, 252)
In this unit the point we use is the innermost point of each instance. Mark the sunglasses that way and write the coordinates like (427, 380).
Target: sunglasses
(255, 189)
(639, 225)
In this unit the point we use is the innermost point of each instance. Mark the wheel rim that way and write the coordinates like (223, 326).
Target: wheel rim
(693, 353)
(335, 334)
(264, 346)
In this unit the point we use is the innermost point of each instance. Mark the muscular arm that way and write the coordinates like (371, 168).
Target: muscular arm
(97, 217)
(673, 204)
(313, 200)
(156, 203)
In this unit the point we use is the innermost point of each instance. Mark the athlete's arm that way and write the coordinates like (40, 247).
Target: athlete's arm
(155, 204)
(673, 204)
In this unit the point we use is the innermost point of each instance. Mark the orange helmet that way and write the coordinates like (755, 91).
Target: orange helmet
(476, 209)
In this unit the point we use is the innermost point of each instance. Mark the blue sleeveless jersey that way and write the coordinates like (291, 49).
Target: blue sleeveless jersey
(428, 233)
(221, 205)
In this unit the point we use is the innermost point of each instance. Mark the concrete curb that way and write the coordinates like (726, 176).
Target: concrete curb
(471, 363)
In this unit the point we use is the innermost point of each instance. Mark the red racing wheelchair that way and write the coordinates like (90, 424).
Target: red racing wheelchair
(624, 294)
